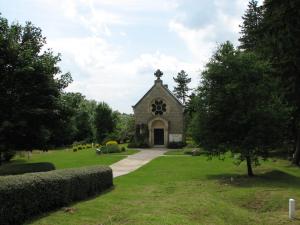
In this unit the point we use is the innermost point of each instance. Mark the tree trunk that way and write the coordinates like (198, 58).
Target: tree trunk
(249, 166)
(296, 158)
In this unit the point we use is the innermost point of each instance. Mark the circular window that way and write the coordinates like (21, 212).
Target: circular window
(158, 107)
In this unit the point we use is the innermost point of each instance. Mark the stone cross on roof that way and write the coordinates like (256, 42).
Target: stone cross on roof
(158, 74)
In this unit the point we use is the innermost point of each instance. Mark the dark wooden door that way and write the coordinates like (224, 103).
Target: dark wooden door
(158, 136)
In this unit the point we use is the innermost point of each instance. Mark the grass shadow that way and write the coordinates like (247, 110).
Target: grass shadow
(274, 178)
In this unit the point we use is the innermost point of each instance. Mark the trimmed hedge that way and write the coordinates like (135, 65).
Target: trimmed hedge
(27, 195)
(13, 169)
(112, 148)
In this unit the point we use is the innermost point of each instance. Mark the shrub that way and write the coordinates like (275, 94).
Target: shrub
(113, 148)
(97, 145)
(7, 156)
(176, 145)
(24, 196)
(131, 145)
(13, 169)
(123, 149)
(138, 144)
(111, 143)
(109, 149)
(75, 148)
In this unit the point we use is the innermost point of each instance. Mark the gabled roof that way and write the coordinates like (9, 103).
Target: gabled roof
(165, 88)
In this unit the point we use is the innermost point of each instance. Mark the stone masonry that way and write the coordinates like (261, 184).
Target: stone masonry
(160, 110)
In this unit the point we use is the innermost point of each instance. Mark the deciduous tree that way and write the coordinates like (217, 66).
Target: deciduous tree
(239, 107)
(105, 121)
(29, 87)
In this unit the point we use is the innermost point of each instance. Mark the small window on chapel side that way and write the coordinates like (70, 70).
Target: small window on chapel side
(159, 107)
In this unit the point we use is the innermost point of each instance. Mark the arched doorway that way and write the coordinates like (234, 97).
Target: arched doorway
(158, 132)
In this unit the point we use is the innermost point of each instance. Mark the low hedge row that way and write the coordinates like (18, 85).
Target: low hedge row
(27, 195)
(112, 148)
(13, 169)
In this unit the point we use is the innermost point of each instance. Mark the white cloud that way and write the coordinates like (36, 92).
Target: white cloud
(199, 41)
(98, 53)
(104, 77)
(202, 40)
(140, 5)
(87, 53)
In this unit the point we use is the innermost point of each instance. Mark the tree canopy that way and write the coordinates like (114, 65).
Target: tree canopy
(105, 121)
(281, 46)
(239, 108)
(251, 31)
(30, 87)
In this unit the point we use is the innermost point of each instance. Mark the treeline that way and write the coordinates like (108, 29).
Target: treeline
(248, 101)
(88, 121)
(36, 112)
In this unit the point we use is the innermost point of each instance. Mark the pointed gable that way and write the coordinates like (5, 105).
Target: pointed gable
(159, 116)
(158, 84)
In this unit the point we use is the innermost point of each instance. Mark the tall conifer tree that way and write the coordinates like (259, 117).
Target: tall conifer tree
(181, 90)
(250, 29)
(281, 46)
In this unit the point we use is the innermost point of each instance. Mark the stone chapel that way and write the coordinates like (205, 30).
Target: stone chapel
(159, 116)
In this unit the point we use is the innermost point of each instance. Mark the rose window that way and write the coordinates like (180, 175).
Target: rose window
(158, 107)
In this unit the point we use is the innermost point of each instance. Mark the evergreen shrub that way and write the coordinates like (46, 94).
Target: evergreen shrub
(28, 195)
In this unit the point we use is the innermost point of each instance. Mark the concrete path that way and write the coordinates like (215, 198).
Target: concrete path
(135, 161)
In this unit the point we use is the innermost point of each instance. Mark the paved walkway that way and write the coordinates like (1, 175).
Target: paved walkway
(135, 161)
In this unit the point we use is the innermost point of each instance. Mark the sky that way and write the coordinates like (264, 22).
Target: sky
(113, 47)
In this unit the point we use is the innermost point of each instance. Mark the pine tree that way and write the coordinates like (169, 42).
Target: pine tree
(181, 90)
(250, 29)
(281, 46)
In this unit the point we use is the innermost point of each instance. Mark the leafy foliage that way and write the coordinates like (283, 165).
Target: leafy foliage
(281, 46)
(29, 91)
(124, 129)
(105, 121)
(111, 148)
(141, 137)
(24, 196)
(239, 107)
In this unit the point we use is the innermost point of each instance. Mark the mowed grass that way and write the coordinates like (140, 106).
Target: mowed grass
(62, 159)
(175, 152)
(190, 190)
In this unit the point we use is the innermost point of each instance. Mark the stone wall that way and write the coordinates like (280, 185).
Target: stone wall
(174, 110)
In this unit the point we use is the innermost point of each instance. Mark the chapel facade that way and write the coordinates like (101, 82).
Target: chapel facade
(159, 116)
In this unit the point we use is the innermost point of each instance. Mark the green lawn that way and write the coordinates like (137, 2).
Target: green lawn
(175, 152)
(67, 158)
(190, 190)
